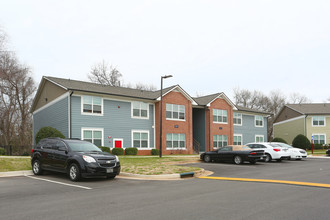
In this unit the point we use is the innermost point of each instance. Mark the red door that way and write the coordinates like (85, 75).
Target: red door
(118, 143)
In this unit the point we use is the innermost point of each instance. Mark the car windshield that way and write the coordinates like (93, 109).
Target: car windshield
(83, 146)
(284, 145)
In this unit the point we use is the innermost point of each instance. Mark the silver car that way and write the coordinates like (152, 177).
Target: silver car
(272, 151)
(295, 153)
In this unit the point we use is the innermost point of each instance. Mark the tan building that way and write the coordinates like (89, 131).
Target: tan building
(311, 120)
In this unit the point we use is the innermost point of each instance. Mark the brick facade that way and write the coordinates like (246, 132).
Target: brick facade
(175, 126)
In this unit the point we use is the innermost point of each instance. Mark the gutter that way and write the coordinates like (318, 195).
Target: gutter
(70, 115)
(306, 126)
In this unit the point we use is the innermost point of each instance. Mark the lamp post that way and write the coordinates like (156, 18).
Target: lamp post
(161, 114)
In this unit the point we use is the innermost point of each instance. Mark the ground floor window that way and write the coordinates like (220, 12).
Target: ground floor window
(319, 138)
(175, 141)
(259, 138)
(220, 141)
(93, 135)
(140, 139)
(238, 139)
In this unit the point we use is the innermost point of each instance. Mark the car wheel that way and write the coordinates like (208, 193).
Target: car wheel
(268, 158)
(207, 158)
(74, 172)
(36, 167)
(238, 160)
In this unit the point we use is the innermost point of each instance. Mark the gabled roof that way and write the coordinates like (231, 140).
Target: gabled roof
(311, 109)
(240, 108)
(207, 100)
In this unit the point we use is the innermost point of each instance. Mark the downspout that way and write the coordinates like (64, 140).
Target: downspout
(209, 129)
(70, 115)
(306, 126)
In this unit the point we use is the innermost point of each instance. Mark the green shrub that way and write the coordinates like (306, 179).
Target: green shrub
(46, 132)
(2, 151)
(155, 152)
(278, 139)
(301, 141)
(118, 151)
(105, 149)
(131, 151)
(25, 154)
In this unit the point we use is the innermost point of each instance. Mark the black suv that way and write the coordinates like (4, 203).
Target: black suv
(77, 158)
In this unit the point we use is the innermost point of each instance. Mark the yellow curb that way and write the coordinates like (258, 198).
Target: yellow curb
(269, 181)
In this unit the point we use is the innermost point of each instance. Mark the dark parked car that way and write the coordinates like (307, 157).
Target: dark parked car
(77, 158)
(235, 153)
(328, 152)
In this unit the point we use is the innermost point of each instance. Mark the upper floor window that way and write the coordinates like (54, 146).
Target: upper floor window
(259, 121)
(237, 118)
(318, 121)
(92, 104)
(220, 116)
(220, 141)
(175, 112)
(140, 109)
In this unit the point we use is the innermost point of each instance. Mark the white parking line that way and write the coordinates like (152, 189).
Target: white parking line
(65, 184)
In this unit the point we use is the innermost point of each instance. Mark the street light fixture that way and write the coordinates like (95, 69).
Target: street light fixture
(161, 114)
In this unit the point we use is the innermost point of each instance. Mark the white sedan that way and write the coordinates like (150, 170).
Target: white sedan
(295, 153)
(272, 152)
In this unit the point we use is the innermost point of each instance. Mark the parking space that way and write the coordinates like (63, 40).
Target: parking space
(307, 170)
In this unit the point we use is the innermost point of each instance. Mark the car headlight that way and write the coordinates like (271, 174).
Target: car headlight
(117, 159)
(89, 159)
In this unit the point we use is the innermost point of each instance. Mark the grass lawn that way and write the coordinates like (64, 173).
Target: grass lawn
(14, 164)
(317, 152)
(129, 164)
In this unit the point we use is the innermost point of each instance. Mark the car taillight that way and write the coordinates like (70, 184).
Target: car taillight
(32, 151)
(277, 150)
(253, 153)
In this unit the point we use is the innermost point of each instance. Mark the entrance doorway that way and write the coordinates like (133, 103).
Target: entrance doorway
(117, 143)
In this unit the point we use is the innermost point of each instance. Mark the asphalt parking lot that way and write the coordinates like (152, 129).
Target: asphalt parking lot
(53, 196)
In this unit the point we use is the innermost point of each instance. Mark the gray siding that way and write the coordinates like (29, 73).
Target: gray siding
(116, 121)
(199, 127)
(249, 130)
(55, 115)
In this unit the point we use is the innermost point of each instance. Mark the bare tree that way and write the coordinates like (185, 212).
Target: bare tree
(296, 98)
(16, 91)
(105, 74)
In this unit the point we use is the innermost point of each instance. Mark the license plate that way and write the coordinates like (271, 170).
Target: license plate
(109, 170)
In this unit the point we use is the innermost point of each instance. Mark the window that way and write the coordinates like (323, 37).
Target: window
(259, 121)
(319, 138)
(259, 138)
(92, 104)
(177, 112)
(140, 110)
(219, 116)
(237, 118)
(175, 141)
(220, 141)
(237, 139)
(318, 121)
(141, 139)
(94, 136)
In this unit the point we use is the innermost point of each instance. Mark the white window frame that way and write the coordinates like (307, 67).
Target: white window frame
(259, 136)
(175, 119)
(238, 135)
(91, 113)
(140, 103)
(318, 121)
(218, 141)
(93, 129)
(255, 121)
(141, 131)
(177, 148)
(217, 111)
(241, 117)
(325, 138)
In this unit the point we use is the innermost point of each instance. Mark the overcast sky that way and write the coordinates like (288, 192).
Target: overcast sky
(208, 46)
